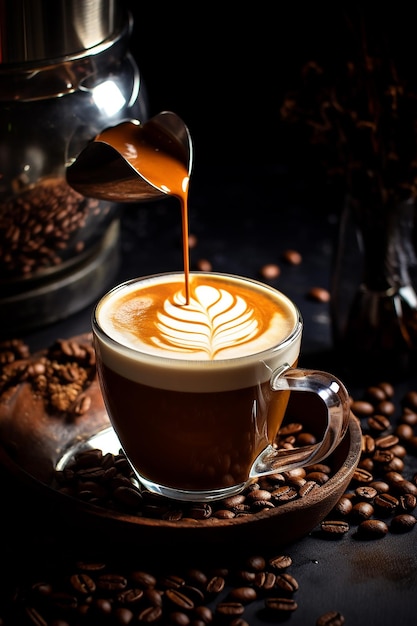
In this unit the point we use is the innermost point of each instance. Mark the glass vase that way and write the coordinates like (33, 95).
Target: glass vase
(374, 301)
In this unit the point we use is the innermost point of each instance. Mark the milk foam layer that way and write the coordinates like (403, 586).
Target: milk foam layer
(226, 322)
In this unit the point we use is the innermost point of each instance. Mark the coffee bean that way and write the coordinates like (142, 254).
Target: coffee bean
(307, 488)
(258, 494)
(256, 563)
(246, 576)
(229, 609)
(318, 477)
(280, 562)
(405, 486)
(293, 257)
(368, 444)
(408, 417)
(388, 388)
(343, 506)
(366, 464)
(393, 478)
(82, 583)
(145, 580)
(361, 408)
(386, 503)
(366, 492)
(171, 581)
(287, 582)
(408, 502)
(150, 615)
(215, 585)
(319, 294)
(194, 593)
(64, 600)
(410, 400)
(153, 596)
(281, 605)
(179, 599)
(265, 580)
(334, 527)
(375, 394)
(380, 485)
(122, 616)
(111, 582)
(362, 510)
(382, 457)
(128, 496)
(285, 493)
(270, 271)
(331, 618)
(386, 441)
(130, 596)
(403, 523)
(378, 423)
(373, 528)
(204, 265)
(385, 407)
(362, 476)
(243, 594)
(204, 614)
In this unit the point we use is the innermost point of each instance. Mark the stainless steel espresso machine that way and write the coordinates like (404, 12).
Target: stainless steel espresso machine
(66, 74)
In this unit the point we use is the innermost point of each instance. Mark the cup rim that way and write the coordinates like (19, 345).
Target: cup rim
(220, 362)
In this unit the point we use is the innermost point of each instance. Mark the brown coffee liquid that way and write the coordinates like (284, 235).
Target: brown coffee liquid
(154, 156)
(193, 440)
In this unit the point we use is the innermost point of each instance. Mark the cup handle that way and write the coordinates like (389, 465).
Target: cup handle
(336, 400)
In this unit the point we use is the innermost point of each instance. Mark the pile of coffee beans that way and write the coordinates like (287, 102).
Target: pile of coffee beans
(40, 227)
(94, 591)
(107, 480)
(381, 498)
(176, 589)
(60, 375)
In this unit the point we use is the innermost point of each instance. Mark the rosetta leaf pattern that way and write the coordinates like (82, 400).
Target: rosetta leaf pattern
(213, 321)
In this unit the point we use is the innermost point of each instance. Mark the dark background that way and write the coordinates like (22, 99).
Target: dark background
(253, 194)
(225, 70)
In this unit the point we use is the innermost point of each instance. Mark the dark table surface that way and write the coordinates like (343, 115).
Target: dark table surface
(243, 217)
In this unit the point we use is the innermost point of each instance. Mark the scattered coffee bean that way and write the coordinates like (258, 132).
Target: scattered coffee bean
(293, 257)
(243, 594)
(280, 562)
(378, 423)
(287, 582)
(319, 294)
(229, 609)
(403, 523)
(331, 618)
(270, 271)
(335, 528)
(204, 265)
(362, 408)
(362, 510)
(373, 528)
(379, 489)
(281, 605)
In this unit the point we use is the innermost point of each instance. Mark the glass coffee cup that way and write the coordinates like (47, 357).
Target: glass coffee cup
(197, 387)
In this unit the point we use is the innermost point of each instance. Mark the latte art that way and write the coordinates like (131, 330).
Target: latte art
(214, 320)
(224, 317)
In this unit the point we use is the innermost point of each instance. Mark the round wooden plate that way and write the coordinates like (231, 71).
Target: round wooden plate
(33, 445)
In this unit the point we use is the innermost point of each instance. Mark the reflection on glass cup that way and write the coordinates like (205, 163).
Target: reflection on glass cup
(196, 391)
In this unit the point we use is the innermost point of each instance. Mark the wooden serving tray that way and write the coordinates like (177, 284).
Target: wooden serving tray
(33, 444)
